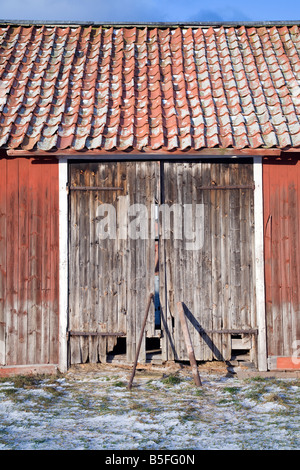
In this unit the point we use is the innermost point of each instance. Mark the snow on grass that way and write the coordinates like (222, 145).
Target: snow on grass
(95, 410)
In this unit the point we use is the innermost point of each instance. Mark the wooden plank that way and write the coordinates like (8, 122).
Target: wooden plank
(151, 186)
(12, 230)
(114, 258)
(205, 265)
(217, 299)
(74, 266)
(225, 261)
(139, 267)
(235, 265)
(294, 231)
(37, 266)
(189, 213)
(162, 247)
(131, 275)
(102, 269)
(84, 263)
(92, 274)
(122, 233)
(95, 188)
(54, 267)
(141, 339)
(226, 187)
(174, 185)
(197, 257)
(62, 279)
(45, 241)
(189, 345)
(183, 288)
(281, 220)
(3, 267)
(271, 205)
(23, 244)
(96, 333)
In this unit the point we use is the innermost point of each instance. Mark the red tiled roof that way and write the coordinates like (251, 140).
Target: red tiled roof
(147, 88)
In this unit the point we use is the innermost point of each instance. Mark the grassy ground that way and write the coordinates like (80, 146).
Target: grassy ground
(93, 409)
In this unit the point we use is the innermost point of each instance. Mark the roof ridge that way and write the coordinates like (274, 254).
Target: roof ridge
(153, 24)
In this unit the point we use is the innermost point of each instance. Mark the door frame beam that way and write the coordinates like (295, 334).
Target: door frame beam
(259, 265)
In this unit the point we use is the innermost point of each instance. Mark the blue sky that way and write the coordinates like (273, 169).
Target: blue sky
(150, 10)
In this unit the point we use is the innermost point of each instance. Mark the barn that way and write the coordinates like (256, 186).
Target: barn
(141, 160)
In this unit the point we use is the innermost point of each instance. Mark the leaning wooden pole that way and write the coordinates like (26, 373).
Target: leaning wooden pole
(188, 344)
(140, 342)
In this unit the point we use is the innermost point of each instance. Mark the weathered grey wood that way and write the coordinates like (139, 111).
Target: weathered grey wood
(74, 272)
(225, 260)
(109, 277)
(205, 263)
(141, 339)
(95, 188)
(101, 273)
(188, 344)
(217, 268)
(96, 333)
(215, 282)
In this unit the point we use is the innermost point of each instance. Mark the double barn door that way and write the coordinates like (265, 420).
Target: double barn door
(185, 229)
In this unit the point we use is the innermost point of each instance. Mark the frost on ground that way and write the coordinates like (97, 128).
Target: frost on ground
(93, 409)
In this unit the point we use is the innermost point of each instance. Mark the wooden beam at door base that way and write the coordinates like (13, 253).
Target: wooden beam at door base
(95, 333)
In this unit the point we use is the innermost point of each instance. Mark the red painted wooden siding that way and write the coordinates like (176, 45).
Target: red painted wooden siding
(29, 252)
(281, 180)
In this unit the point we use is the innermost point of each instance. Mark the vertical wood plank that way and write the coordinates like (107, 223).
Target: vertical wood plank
(197, 281)
(206, 265)
(217, 298)
(162, 248)
(74, 266)
(282, 240)
(131, 274)
(3, 268)
(45, 262)
(259, 264)
(12, 231)
(225, 260)
(62, 279)
(23, 243)
(54, 267)
(92, 275)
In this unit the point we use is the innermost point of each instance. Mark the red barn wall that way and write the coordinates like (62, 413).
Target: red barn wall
(281, 179)
(29, 261)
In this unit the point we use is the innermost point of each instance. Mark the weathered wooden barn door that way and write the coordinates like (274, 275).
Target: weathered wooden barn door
(208, 256)
(112, 255)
